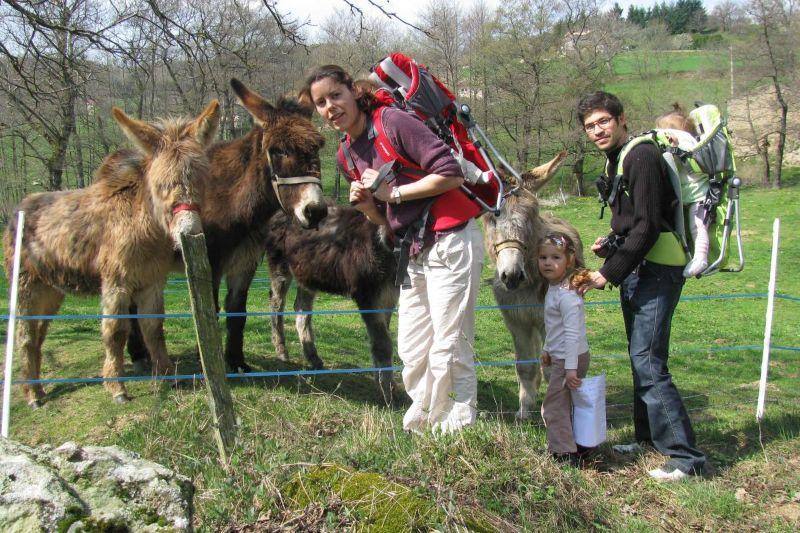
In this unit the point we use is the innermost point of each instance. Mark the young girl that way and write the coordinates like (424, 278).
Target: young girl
(566, 348)
(680, 129)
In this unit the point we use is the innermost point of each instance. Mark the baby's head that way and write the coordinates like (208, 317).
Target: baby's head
(677, 119)
(556, 256)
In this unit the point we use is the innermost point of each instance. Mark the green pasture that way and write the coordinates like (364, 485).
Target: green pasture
(331, 436)
(668, 61)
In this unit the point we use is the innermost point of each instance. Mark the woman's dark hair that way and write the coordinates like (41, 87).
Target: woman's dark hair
(599, 101)
(363, 90)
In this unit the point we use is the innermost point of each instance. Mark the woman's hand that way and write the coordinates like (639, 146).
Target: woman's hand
(572, 380)
(384, 190)
(546, 359)
(360, 196)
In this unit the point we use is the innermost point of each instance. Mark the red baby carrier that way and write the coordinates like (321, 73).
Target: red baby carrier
(407, 85)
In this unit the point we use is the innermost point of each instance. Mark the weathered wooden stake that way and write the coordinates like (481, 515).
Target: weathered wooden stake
(198, 276)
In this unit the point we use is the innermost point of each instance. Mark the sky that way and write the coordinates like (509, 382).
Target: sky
(318, 10)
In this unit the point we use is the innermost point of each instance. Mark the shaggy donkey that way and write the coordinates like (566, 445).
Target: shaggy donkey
(274, 167)
(511, 241)
(348, 256)
(117, 238)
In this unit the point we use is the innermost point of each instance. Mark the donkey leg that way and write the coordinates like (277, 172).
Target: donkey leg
(380, 338)
(150, 301)
(527, 345)
(116, 301)
(238, 285)
(34, 299)
(304, 301)
(280, 279)
(137, 350)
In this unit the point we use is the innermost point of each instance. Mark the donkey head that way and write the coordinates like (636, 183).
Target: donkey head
(288, 154)
(511, 236)
(177, 165)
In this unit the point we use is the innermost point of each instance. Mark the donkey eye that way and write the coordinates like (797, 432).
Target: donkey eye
(278, 153)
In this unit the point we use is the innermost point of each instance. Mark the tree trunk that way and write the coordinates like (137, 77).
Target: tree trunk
(79, 183)
(781, 141)
(763, 151)
(577, 172)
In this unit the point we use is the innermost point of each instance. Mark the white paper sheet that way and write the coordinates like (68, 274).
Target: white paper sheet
(589, 411)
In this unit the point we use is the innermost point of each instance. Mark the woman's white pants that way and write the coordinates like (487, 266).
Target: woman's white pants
(436, 332)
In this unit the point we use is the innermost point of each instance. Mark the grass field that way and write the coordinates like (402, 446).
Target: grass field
(495, 476)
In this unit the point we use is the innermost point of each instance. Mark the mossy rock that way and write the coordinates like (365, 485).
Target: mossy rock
(376, 503)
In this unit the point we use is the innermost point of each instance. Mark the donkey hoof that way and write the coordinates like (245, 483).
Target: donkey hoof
(35, 404)
(523, 415)
(316, 364)
(122, 398)
(141, 368)
(242, 368)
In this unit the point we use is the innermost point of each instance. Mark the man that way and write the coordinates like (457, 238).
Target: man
(641, 259)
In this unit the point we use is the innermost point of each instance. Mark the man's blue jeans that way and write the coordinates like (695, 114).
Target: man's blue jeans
(648, 297)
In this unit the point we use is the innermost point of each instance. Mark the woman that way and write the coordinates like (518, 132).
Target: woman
(436, 320)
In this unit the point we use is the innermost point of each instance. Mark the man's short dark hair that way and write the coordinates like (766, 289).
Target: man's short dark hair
(599, 101)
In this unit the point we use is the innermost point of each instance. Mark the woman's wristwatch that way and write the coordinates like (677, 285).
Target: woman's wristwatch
(395, 197)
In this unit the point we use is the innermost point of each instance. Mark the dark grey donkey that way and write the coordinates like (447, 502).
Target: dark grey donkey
(347, 255)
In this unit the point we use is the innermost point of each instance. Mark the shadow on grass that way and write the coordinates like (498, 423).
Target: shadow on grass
(359, 387)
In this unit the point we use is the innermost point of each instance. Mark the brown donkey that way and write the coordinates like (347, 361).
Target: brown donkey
(274, 167)
(117, 238)
(511, 240)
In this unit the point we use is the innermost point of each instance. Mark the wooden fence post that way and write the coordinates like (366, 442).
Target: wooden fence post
(209, 342)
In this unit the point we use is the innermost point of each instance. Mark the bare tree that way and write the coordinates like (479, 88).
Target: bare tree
(44, 50)
(443, 22)
(775, 51)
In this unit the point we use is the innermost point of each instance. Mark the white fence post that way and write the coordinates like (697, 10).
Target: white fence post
(773, 274)
(12, 322)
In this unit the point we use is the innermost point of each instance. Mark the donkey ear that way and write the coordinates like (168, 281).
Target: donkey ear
(142, 134)
(536, 178)
(205, 126)
(261, 110)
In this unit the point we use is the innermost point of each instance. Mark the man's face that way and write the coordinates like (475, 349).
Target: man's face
(604, 130)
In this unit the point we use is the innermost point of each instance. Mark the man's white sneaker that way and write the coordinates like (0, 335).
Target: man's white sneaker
(667, 474)
(628, 448)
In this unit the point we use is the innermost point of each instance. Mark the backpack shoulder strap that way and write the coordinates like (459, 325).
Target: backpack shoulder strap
(384, 144)
(345, 160)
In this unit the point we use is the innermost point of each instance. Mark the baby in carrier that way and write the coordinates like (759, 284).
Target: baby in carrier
(680, 129)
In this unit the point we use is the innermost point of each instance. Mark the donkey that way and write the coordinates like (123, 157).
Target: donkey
(117, 238)
(511, 239)
(274, 167)
(348, 256)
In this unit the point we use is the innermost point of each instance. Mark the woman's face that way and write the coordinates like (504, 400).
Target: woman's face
(336, 103)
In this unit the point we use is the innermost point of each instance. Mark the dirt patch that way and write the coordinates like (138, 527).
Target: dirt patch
(764, 117)
(789, 511)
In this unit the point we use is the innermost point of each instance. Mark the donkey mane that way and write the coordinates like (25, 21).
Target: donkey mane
(119, 172)
(285, 130)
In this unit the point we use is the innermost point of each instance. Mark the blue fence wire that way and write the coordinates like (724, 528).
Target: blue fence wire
(301, 373)
(256, 314)
(330, 371)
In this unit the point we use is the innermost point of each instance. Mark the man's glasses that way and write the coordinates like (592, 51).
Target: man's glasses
(603, 123)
